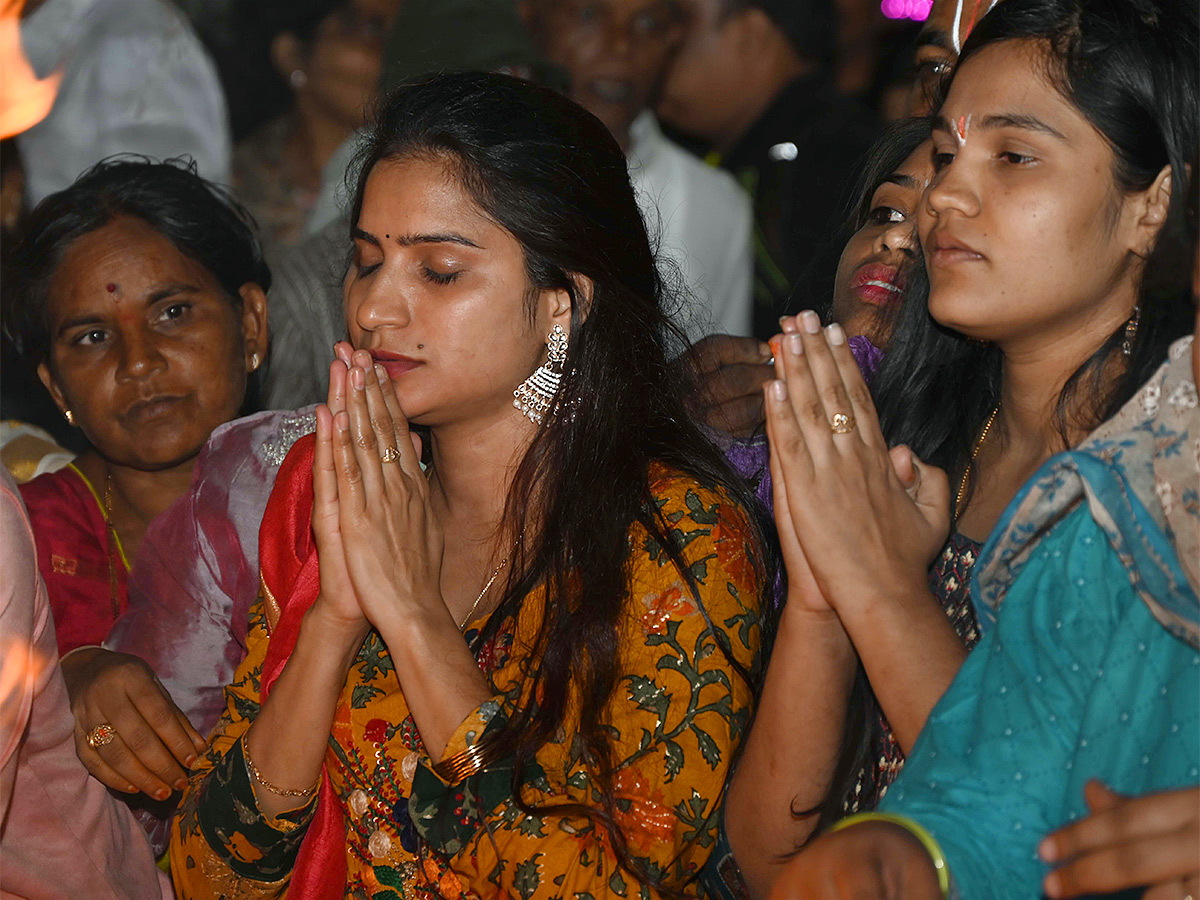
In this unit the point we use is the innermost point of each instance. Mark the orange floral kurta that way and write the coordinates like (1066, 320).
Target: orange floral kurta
(677, 717)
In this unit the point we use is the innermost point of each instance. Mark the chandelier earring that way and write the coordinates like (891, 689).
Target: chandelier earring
(535, 395)
(1131, 328)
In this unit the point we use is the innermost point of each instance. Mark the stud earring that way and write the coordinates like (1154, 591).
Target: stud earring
(69, 416)
(254, 361)
(298, 78)
(534, 396)
(1131, 328)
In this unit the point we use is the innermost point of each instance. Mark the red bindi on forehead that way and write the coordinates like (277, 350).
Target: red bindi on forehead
(111, 288)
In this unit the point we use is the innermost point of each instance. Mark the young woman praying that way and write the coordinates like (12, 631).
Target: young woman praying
(525, 669)
(1059, 156)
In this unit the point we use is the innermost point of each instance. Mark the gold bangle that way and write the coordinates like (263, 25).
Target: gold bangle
(463, 765)
(257, 776)
(927, 840)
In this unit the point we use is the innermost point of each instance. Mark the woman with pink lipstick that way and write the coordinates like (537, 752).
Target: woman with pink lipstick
(876, 264)
(138, 294)
(1058, 154)
(524, 670)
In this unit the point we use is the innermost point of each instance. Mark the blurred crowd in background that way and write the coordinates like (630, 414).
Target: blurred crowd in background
(745, 123)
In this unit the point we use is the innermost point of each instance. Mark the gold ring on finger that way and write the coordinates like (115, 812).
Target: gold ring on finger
(841, 423)
(391, 454)
(101, 735)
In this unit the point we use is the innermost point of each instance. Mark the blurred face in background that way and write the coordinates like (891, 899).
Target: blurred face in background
(616, 52)
(700, 95)
(949, 24)
(337, 70)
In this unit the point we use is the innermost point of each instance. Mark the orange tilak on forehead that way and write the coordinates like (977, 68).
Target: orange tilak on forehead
(962, 127)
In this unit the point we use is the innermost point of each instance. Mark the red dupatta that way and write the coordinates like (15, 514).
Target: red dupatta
(288, 557)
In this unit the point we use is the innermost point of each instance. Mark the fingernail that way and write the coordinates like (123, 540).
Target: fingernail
(787, 324)
(837, 336)
(342, 421)
(779, 390)
(795, 344)
(1052, 885)
(180, 784)
(811, 321)
(380, 373)
(358, 378)
(162, 794)
(129, 788)
(188, 760)
(764, 350)
(1047, 850)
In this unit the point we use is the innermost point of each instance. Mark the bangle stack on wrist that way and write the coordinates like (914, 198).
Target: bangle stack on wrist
(463, 765)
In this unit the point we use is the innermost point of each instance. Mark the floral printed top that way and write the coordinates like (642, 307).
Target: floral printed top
(677, 716)
(950, 582)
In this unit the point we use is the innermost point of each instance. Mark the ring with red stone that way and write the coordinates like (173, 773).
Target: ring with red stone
(100, 735)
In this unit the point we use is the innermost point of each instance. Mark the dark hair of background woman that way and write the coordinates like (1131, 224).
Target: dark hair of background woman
(550, 173)
(896, 144)
(1130, 67)
(198, 217)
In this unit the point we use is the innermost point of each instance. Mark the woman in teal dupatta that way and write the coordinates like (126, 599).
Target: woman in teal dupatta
(1088, 669)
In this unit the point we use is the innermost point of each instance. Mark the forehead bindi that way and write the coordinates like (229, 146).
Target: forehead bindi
(112, 269)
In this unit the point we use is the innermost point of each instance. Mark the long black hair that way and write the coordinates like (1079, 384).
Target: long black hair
(1130, 68)
(549, 173)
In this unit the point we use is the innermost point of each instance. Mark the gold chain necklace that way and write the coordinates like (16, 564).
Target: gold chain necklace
(962, 485)
(483, 593)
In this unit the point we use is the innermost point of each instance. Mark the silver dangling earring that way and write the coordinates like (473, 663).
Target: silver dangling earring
(1131, 328)
(536, 393)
